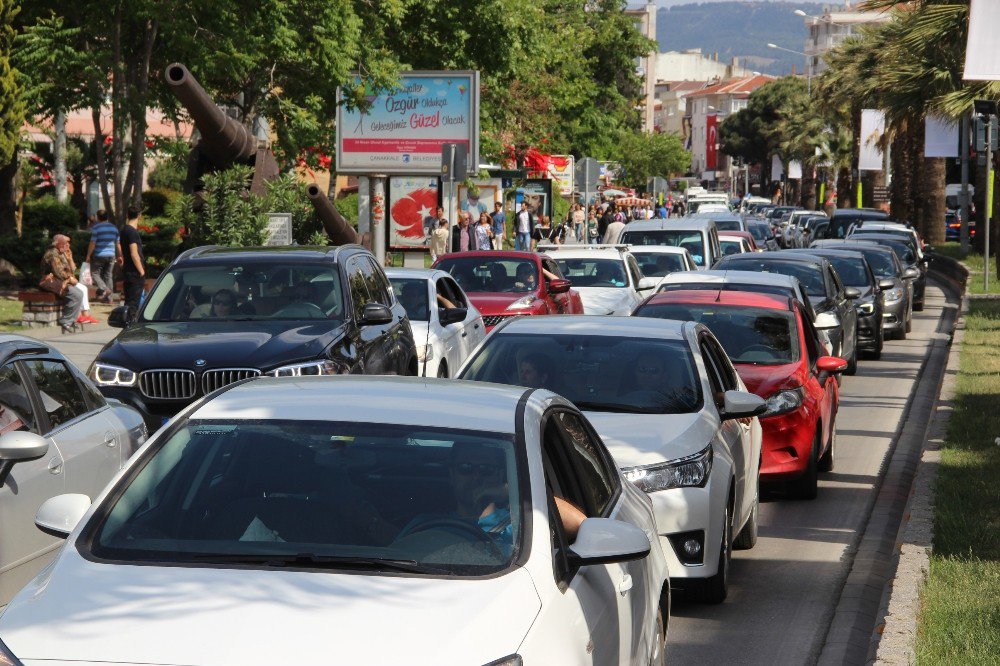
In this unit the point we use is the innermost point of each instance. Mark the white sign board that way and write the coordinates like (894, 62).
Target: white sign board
(940, 138)
(279, 229)
(403, 129)
(872, 129)
(561, 170)
(982, 58)
(795, 170)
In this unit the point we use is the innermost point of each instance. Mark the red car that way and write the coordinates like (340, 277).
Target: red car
(773, 346)
(506, 284)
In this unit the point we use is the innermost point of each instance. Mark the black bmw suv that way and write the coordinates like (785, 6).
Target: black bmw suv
(219, 315)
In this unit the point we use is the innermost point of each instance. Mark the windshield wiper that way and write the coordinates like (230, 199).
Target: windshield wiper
(321, 561)
(611, 407)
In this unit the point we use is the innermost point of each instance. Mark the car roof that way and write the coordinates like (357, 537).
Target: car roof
(678, 223)
(893, 237)
(731, 277)
(392, 400)
(658, 249)
(840, 242)
(424, 273)
(833, 252)
(880, 224)
(585, 252)
(722, 297)
(718, 216)
(12, 344)
(491, 254)
(781, 255)
(212, 253)
(625, 327)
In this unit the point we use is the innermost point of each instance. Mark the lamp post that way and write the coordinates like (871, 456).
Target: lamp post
(808, 66)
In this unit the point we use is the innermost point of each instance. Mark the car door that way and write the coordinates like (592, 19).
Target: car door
(847, 313)
(472, 330)
(397, 345)
(596, 600)
(367, 338)
(23, 547)
(635, 275)
(90, 447)
(449, 337)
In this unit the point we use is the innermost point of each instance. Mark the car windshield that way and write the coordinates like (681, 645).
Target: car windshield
(759, 232)
(728, 225)
(851, 270)
(587, 272)
(881, 263)
(412, 294)
(658, 264)
(320, 494)
(810, 275)
(245, 291)
(491, 274)
(729, 286)
(902, 249)
(689, 240)
(730, 247)
(749, 335)
(599, 373)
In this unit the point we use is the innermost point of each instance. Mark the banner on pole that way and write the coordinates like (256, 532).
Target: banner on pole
(982, 59)
(872, 129)
(777, 169)
(795, 170)
(711, 141)
(940, 137)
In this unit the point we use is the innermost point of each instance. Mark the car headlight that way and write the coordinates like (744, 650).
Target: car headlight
(783, 402)
(894, 294)
(425, 352)
(7, 658)
(688, 472)
(523, 303)
(866, 308)
(112, 375)
(309, 369)
(512, 660)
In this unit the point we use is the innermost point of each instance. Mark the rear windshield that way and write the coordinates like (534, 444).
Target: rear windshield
(491, 274)
(728, 225)
(902, 249)
(749, 335)
(689, 240)
(881, 263)
(589, 272)
(728, 286)
(851, 270)
(759, 232)
(658, 264)
(810, 275)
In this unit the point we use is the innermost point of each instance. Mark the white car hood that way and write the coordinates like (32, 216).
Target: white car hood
(101, 613)
(602, 300)
(648, 439)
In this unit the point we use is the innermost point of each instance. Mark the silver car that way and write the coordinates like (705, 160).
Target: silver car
(58, 435)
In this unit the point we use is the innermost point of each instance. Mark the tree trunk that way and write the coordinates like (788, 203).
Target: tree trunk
(852, 196)
(8, 196)
(901, 191)
(931, 222)
(102, 164)
(59, 157)
(844, 188)
(808, 200)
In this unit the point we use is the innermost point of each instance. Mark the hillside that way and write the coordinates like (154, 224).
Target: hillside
(738, 29)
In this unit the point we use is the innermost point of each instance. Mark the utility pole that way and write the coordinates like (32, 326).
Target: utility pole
(987, 110)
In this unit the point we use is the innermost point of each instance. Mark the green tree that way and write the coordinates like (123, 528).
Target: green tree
(12, 112)
(645, 155)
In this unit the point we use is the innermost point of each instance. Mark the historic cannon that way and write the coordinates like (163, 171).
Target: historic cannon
(337, 228)
(224, 141)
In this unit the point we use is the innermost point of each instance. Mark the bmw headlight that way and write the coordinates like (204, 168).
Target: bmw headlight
(112, 375)
(523, 303)
(866, 308)
(425, 352)
(783, 402)
(312, 368)
(894, 294)
(7, 658)
(687, 472)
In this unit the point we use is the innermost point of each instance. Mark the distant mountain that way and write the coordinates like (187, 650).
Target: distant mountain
(738, 29)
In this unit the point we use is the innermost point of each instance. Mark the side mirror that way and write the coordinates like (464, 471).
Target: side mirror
(829, 365)
(852, 293)
(605, 540)
(742, 405)
(452, 315)
(18, 447)
(375, 314)
(911, 274)
(59, 515)
(117, 317)
(559, 286)
(886, 285)
(647, 283)
(826, 321)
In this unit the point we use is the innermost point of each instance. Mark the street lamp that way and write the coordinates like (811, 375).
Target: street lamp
(801, 53)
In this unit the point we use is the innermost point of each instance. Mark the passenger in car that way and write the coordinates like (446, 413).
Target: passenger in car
(534, 370)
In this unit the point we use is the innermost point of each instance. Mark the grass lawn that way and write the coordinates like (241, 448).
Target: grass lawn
(960, 616)
(10, 314)
(975, 264)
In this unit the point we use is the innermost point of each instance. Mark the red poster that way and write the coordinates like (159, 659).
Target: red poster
(413, 204)
(711, 142)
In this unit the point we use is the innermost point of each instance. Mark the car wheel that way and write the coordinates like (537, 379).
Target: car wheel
(852, 363)
(442, 371)
(713, 590)
(747, 538)
(827, 461)
(806, 486)
(658, 656)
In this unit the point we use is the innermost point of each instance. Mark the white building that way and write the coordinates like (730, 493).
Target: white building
(671, 109)
(693, 65)
(832, 28)
(645, 20)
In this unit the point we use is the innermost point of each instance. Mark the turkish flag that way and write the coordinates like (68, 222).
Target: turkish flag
(408, 212)
(711, 141)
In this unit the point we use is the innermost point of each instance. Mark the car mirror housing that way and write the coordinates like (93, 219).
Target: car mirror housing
(19, 446)
(452, 315)
(559, 286)
(911, 274)
(852, 293)
(117, 317)
(886, 285)
(742, 405)
(605, 540)
(375, 314)
(826, 321)
(830, 365)
(58, 516)
(647, 283)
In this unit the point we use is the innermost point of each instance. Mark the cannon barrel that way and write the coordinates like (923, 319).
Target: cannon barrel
(337, 228)
(223, 140)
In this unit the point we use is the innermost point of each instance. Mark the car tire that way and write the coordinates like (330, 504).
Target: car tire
(747, 538)
(658, 656)
(714, 590)
(827, 461)
(806, 487)
(442, 370)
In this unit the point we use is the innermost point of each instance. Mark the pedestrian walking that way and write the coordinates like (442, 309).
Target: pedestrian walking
(661, 211)
(134, 268)
(592, 223)
(579, 218)
(499, 226)
(613, 232)
(463, 237)
(545, 233)
(104, 251)
(432, 222)
(484, 232)
(439, 240)
(606, 219)
(525, 225)
(59, 279)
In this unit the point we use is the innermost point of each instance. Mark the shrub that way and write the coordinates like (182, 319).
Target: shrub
(47, 214)
(161, 238)
(155, 201)
(169, 174)
(25, 252)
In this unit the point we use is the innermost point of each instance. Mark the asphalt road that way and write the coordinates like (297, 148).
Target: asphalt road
(783, 593)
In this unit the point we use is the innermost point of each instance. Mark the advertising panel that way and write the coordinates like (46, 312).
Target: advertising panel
(711, 142)
(413, 202)
(403, 129)
(872, 129)
(561, 170)
(538, 194)
(480, 198)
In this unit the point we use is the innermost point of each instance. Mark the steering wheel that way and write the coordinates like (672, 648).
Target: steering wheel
(433, 522)
(302, 309)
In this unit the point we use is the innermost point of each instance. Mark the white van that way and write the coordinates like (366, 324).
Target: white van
(698, 235)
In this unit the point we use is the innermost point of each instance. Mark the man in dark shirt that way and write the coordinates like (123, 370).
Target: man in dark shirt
(134, 268)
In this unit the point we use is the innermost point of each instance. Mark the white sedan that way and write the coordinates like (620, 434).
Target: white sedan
(446, 325)
(674, 414)
(354, 520)
(58, 434)
(608, 277)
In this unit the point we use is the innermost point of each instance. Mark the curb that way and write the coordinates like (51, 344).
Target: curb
(849, 638)
(901, 608)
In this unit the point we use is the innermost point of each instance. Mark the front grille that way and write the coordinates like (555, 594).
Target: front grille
(168, 384)
(493, 320)
(212, 380)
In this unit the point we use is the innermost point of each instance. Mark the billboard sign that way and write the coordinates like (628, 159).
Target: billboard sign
(413, 204)
(403, 129)
(561, 170)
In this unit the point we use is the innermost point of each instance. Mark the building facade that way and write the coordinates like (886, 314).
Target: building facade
(833, 27)
(645, 20)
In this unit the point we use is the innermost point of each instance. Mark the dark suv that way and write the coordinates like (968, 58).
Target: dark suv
(219, 315)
